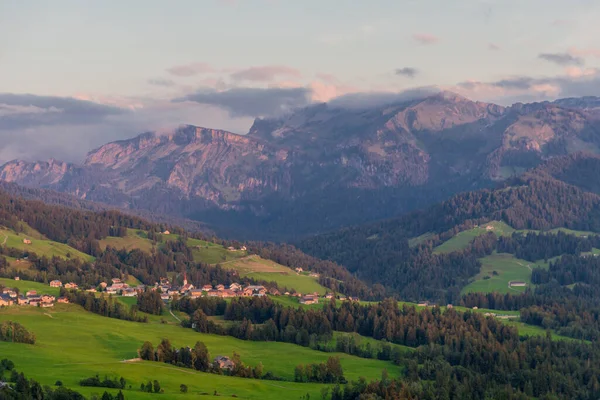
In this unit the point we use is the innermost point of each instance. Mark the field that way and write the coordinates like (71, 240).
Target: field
(134, 240)
(212, 253)
(258, 268)
(39, 245)
(73, 344)
(507, 267)
(25, 286)
(464, 238)
(414, 242)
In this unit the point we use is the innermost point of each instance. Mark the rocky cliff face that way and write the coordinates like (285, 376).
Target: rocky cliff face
(323, 166)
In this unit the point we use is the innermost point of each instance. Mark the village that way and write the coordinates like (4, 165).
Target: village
(167, 291)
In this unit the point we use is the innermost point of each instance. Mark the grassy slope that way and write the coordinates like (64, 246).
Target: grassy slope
(259, 268)
(25, 286)
(508, 268)
(462, 239)
(72, 344)
(39, 244)
(212, 253)
(134, 240)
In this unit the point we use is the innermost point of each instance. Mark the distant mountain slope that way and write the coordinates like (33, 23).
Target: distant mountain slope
(325, 166)
(380, 252)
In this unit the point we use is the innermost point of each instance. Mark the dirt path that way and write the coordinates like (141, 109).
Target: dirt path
(237, 259)
(50, 315)
(5, 239)
(174, 316)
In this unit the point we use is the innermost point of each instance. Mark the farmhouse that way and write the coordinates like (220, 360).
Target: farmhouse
(26, 241)
(206, 288)
(22, 300)
(46, 298)
(517, 284)
(329, 295)
(423, 304)
(62, 300)
(31, 293)
(166, 233)
(223, 362)
(16, 277)
(220, 287)
(195, 293)
(56, 283)
(129, 292)
(309, 299)
(71, 285)
(5, 301)
(298, 270)
(235, 287)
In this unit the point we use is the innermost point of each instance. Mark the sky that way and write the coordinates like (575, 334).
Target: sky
(75, 75)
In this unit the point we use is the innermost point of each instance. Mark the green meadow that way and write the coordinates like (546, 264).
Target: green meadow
(39, 245)
(73, 344)
(499, 269)
(462, 239)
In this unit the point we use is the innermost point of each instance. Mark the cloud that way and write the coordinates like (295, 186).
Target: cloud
(561, 58)
(589, 52)
(425, 38)
(575, 82)
(191, 69)
(253, 102)
(375, 99)
(409, 72)
(265, 73)
(493, 47)
(20, 111)
(161, 82)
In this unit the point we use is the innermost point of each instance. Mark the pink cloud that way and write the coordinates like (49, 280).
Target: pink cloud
(191, 69)
(329, 78)
(425, 38)
(588, 52)
(265, 73)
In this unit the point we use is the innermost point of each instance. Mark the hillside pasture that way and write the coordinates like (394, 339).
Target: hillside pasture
(135, 239)
(461, 240)
(212, 253)
(507, 267)
(73, 344)
(25, 286)
(258, 268)
(42, 247)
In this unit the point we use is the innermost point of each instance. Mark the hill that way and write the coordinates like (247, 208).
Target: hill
(322, 167)
(97, 345)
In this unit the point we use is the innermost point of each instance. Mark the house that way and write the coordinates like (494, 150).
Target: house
(423, 304)
(103, 285)
(309, 299)
(256, 290)
(34, 301)
(186, 288)
(129, 292)
(22, 300)
(449, 306)
(206, 288)
(475, 308)
(195, 293)
(298, 270)
(286, 294)
(329, 295)
(166, 233)
(12, 294)
(353, 298)
(55, 283)
(517, 284)
(71, 285)
(164, 297)
(274, 292)
(231, 248)
(223, 362)
(46, 298)
(342, 298)
(212, 293)
(111, 290)
(91, 290)
(5, 301)
(17, 278)
(220, 287)
(62, 300)
(46, 305)
(243, 248)
(115, 280)
(313, 275)
(26, 241)
(235, 287)
(31, 293)
(227, 293)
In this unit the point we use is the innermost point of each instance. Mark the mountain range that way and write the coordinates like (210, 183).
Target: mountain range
(324, 166)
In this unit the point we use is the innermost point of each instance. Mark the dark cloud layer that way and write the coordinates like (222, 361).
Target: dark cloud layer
(409, 72)
(19, 111)
(253, 102)
(561, 58)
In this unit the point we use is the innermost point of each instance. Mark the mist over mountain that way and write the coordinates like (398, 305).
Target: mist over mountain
(326, 165)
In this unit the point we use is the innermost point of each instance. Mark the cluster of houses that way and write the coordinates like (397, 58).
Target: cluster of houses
(233, 290)
(10, 297)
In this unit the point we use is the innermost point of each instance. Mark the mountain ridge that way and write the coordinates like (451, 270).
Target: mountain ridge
(379, 161)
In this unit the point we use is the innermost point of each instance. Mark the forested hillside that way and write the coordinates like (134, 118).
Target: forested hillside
(381, 252)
